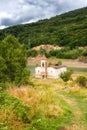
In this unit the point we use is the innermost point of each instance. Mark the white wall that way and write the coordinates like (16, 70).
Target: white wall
(51, 72)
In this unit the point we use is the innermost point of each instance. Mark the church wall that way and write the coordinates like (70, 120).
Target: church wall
(51, 72)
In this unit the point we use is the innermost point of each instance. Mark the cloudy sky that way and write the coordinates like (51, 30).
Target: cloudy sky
(13, 12)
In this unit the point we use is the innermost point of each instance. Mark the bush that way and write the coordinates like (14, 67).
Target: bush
(59, 62)
(85, 52)
(32, 53)
(66, 53)
(42, 51)
(81, 81)
(65, 76)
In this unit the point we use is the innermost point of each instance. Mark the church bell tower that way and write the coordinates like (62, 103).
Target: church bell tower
(44, 67)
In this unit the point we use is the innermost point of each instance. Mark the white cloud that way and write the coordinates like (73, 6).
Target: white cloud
(14, 12)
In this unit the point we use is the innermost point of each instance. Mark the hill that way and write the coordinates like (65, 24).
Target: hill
(69, 29)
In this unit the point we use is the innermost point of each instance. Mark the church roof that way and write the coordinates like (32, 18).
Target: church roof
(44, 57)
(58, 67)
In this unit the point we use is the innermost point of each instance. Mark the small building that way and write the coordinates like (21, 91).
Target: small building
(45, 71)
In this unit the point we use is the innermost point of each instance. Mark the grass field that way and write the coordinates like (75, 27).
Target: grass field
(48, 104)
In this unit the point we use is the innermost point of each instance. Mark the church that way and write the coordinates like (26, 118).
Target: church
(45, 71)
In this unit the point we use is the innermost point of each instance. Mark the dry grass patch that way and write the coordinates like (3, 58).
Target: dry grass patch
(42, 99)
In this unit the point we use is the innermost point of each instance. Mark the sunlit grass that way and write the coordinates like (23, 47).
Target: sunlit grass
(42, 106)
(42, 99)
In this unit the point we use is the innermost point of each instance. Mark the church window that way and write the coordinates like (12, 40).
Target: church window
(42, 64)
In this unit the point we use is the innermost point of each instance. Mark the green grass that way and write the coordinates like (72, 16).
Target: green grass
(15, 114)
(82, 104)
(80, 98)
(54, 123)
(28, 108)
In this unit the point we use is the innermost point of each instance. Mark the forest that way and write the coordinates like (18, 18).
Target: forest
(68, 29)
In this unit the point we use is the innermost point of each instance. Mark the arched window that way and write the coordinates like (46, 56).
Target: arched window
(42, 64)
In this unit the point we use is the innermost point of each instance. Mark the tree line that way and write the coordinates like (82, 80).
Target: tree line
(68, 29)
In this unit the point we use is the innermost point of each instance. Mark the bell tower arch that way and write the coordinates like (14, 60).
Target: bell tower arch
(44, 67)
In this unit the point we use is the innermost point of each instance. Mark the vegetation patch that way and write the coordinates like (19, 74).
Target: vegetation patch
(49, 104)
(68, 29)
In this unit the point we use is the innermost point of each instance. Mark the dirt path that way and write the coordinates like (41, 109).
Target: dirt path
(78, 115)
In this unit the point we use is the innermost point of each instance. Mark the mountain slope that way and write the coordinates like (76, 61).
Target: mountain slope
(69, 29)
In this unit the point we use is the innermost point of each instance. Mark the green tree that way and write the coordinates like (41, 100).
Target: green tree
(32, 53)
(13, 60)
(2, 69)
(81, 81)
(66, 75)
(42, 51)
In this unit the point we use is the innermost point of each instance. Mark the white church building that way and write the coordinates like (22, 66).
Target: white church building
(45, 71)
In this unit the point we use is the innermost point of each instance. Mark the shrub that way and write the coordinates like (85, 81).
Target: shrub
(81, 81)
(66, 53)
(32, 53)
(65, 76)
(85, 52)
(59, 62)
(42, 51)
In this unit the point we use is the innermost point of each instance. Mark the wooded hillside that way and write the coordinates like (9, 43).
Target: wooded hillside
(69, 29)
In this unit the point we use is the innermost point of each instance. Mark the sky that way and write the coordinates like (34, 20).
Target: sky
(13, 12)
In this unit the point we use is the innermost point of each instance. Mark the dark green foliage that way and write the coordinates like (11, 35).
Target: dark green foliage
(3, 67)
(66, 53)
(21, 111)
(66, 75)
(42, 51)
(85, 52)
(13, 59)
(32, 53)
(82, 81)
(67, 29)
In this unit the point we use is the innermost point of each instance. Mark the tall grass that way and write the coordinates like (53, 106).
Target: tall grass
(41, 107)
(47, 109)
